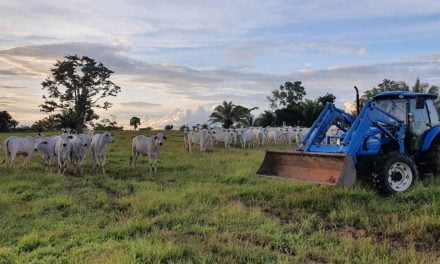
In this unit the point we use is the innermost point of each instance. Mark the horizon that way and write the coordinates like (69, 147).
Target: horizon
(175, 61)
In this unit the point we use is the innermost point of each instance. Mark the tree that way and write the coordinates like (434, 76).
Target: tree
(168, 127)
(287, 95)
(327, 98)
(384, 86)
(420, 87)
(135, 122)
(52, 122)
(267, 118)
(107, 124)
(78, 86)
(7, 123)
(227, 114)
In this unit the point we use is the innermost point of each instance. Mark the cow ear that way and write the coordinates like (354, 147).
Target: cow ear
(155, 137)
(165, 137)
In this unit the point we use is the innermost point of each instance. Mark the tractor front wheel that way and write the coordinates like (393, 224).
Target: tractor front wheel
(395, 173)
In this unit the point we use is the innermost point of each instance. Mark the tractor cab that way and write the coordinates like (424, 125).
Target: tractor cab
(416, 110)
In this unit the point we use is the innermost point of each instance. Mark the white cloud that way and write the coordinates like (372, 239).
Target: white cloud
(328, 47)
(179, 117)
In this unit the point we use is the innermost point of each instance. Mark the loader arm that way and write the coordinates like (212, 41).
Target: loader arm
(330, 115)
(319, 163)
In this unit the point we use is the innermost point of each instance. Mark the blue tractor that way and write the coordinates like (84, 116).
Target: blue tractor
(393, 138)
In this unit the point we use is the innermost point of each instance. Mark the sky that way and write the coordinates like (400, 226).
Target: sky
(175, 60)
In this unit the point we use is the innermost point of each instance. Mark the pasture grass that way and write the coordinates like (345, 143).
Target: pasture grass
(207, 208)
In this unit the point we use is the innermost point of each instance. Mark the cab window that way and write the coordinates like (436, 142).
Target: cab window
(396, 107)
(433, 112)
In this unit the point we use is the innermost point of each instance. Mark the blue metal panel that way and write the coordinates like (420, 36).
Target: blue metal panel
(429, 137)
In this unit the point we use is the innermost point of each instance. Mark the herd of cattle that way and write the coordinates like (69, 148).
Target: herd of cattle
(70, 150)
(244, 137)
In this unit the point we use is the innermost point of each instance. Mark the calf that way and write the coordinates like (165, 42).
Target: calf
(147, 146)
(19, 146)
(99, 149)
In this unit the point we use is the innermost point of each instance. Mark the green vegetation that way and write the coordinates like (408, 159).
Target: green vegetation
(207, 208)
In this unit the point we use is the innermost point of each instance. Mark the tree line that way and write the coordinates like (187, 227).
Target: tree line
(78, 86)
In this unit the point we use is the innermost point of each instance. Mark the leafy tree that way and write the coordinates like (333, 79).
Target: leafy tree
(204, 126)
(287, 95)
(146, 128)
(228, 114)
(107, 124)
(327, 98)
(384, 86)
(52, 122)
(420, 87)
(135, 122)
(169, 127)
(7, 123)
(267, 118)
(78, 86)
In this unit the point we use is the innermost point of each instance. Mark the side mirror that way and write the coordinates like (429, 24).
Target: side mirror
(411, 117)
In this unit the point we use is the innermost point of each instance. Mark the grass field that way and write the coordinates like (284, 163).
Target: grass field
(207, 208)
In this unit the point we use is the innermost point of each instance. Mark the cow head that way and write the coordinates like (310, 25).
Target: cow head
(108, 137)
(65, 140)
(159, 139)
(39, 141)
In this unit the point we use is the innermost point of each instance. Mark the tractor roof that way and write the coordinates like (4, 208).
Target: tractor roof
(401, 94)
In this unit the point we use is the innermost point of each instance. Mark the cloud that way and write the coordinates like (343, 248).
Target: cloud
(139, 104)
(246, 51)
(179, 117)
(328, 47)
(175, 85)
(7, 72)
(11, 87)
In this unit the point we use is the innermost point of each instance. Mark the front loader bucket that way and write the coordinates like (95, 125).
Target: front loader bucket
(320, 168)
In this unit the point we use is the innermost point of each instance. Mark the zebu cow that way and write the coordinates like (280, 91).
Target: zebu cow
(99, 149)
(16, 146)
(63, 149)
(81, 143)
(147, 146)
(202, 137)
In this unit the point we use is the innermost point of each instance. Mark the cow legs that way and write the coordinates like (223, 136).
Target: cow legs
(134, 159)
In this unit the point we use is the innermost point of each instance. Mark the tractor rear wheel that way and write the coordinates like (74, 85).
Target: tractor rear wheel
(395, 173)
(433, 157)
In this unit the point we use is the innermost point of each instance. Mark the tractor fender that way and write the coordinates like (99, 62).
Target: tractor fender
(429, 137)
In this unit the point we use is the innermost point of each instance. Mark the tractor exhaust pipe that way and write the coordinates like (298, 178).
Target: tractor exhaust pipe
(357, 100)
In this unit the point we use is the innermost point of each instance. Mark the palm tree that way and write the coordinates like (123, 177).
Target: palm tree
(135, 122)
(267, 118)
(227, 113)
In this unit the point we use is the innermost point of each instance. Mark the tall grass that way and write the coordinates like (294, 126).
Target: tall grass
(207, 208)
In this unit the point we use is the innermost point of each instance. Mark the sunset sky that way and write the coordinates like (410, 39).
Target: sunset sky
(175, 60)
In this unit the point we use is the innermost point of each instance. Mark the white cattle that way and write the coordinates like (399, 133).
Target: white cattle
(147, 146)
(81, 143)
(16, 146)
(202, 138)
(63, 149)
(99, 149)
(275, 135)
(332, 133)
(301, 132)
(245, 137)
(46, 146)
(185, 136)
(260, 137)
